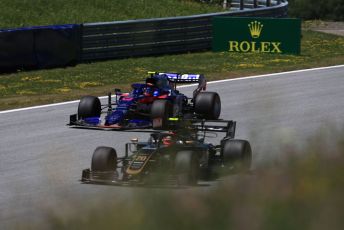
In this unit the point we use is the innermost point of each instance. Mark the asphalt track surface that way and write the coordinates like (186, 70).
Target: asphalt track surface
(41, 159)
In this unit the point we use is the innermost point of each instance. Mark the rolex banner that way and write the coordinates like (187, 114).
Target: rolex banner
(257, 35)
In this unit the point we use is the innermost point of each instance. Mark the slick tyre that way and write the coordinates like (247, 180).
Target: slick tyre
(104, 159)
(89, 106)
(208, 105)
(237, 154)
(187, 168)
(161, 110)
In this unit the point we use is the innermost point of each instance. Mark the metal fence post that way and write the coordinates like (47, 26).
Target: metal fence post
(241, 4)
(224, 4)
(255, 3)
(268, 2)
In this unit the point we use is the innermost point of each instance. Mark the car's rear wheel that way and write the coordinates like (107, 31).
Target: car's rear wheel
(237, 154)
(89, 106)
(208, 105)
(161, 110)
(187, 167)
(104, 159)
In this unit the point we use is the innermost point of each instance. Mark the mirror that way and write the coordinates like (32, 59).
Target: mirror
(118, 92)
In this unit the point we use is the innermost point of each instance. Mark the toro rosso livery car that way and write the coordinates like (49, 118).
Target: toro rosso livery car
(149, 104)
(179, 156)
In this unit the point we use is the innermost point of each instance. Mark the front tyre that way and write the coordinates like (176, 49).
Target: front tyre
(104, 159)
(89, 106)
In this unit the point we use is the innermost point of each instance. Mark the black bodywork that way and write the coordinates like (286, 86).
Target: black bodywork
(179, 156)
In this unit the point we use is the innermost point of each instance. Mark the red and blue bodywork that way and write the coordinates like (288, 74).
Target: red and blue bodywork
(132, 110)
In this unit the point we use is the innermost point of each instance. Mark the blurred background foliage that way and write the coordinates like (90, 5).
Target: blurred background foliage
(308, 9)
(317, 9)
(301, 188)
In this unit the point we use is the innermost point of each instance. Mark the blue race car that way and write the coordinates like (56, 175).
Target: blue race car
(149, 104)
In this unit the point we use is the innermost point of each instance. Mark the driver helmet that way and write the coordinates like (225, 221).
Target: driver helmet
(168, 139)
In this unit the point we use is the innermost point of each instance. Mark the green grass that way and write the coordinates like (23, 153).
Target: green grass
(55, 85)
(19, 13)
(302, 190)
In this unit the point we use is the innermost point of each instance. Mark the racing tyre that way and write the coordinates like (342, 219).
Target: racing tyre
(187, 168)
(208, 105)
(89, 106)
(160, 112)
(104, 159)
(238, 154)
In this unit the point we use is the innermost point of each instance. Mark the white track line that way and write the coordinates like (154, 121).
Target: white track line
(184, 86)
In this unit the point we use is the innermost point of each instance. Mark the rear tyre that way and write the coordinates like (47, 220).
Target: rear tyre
(208, 105)
(104, 159)
(161, 110)
(238, 154)
(187, 168)
(89, 106)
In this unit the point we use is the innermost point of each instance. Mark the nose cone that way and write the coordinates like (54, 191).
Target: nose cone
(114, 118)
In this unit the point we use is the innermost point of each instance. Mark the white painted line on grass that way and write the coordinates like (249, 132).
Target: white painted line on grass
(36, 107)
(184, 86)
(42, 106)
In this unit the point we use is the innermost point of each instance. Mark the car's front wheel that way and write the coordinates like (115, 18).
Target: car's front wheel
(104, 159)
(89, 106)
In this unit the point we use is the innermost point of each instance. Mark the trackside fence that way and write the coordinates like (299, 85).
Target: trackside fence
(161, 36)
(63, 45)
(39, 47)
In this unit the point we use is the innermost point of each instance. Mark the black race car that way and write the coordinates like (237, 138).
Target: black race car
(149, 104)
(179, 156)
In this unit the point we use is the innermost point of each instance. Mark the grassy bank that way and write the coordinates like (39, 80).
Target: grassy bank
(47, 86)
(19, 13)
(303, 190)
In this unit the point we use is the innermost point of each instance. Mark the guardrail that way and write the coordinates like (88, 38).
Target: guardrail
(39, 47)
(62, 45)
(133, 38)
(242, 4)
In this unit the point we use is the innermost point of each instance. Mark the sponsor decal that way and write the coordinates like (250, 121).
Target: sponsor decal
(257, 35)
(255, 29)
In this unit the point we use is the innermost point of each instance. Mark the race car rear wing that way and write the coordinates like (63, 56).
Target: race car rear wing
(185, 78)
(228, 128)
(225, 126)
(181, 78)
